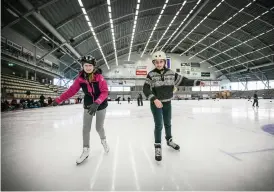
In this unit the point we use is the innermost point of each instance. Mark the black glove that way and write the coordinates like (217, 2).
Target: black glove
(93, 108)
(54, 103)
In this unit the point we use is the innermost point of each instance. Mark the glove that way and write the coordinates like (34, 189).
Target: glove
(54, 103)
(93, 108)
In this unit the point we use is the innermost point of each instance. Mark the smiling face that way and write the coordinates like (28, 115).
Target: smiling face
(159, 63)
(88, 68)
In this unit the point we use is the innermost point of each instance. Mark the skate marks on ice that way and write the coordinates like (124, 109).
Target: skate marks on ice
(166, 174)
(94, 176)
(105, 169)
(115, 164)
(133, 163)
(234, 155)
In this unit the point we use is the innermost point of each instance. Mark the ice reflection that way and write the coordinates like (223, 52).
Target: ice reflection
(120, 113)
(206, 110)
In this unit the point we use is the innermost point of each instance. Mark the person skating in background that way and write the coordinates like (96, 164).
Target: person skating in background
(49, 100)
(95, 89)
(140, 100)
(128, 100)
(158, 88)
(42, 100)
(118, 99)
(255, 96)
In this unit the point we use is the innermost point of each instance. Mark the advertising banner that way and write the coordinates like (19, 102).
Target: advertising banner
(141, 72)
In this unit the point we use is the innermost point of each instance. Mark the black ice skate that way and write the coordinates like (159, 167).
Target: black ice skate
(83, 157)
(172, 144)
(158, 151)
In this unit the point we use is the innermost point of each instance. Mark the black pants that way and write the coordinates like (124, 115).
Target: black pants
(140, 102)
(162, 115)
(255, 101)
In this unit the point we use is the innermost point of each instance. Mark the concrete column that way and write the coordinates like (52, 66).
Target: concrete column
(34, 75)
(35, 56)
(27, 74)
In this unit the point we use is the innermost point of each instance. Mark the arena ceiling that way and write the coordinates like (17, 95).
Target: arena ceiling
(234, 36)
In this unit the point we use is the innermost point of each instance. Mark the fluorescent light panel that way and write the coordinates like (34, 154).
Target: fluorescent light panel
(181, 24)
(238, 45)
(92, 31)
(226, 36)
(245, 62)
(156, 24)
(112, 30)
(241, 56)
(194, 28)
(134, 28)
(169, 25)
(84, 11)
(80, 3)
(215, 29)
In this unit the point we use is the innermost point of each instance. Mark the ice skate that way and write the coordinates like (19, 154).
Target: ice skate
(105, 145)
(158, 151)
(172, 144)
(84, 156)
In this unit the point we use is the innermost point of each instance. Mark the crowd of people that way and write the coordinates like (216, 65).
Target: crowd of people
(29, 103)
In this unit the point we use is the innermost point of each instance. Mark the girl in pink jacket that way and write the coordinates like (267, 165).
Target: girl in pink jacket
(95, 88)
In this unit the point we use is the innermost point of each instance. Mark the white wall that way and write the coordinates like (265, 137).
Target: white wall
(121, 72)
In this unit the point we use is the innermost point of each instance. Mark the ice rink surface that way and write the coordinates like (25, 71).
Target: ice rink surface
(222, 148)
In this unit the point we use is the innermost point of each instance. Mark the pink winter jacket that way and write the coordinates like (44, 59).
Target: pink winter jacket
(96, 91)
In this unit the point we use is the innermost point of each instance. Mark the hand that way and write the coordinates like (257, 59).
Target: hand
(202, 84)
(93, 108)
(158, 103)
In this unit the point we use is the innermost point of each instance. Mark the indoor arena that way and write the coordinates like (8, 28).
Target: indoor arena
(137, 95)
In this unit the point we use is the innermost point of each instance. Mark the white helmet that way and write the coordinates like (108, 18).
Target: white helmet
(158, 55)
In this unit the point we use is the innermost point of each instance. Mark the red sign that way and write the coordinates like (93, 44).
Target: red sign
(140, 72)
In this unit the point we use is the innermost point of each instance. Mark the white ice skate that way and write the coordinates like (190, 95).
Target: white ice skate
(84, 156)
(105, 145)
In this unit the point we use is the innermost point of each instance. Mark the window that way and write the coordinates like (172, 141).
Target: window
(196, 88)
(260, 85)
(234, 86)
(215, 88)
(126, 89)
(241, 86)
(206, 88)
(252, 85)
(271, 84)
(116, 88)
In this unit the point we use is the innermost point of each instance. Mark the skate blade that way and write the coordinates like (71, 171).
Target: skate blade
(158, 163)
(82, 161)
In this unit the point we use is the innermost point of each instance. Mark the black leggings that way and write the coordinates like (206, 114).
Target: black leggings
(255, 101)
(162, 115)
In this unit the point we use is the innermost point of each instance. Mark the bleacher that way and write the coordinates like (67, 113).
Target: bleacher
(16, 87)
(63, 89)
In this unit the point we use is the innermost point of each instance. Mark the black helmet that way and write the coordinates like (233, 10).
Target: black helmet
(88, 59)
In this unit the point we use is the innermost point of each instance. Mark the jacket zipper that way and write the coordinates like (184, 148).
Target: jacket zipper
(92, 90)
